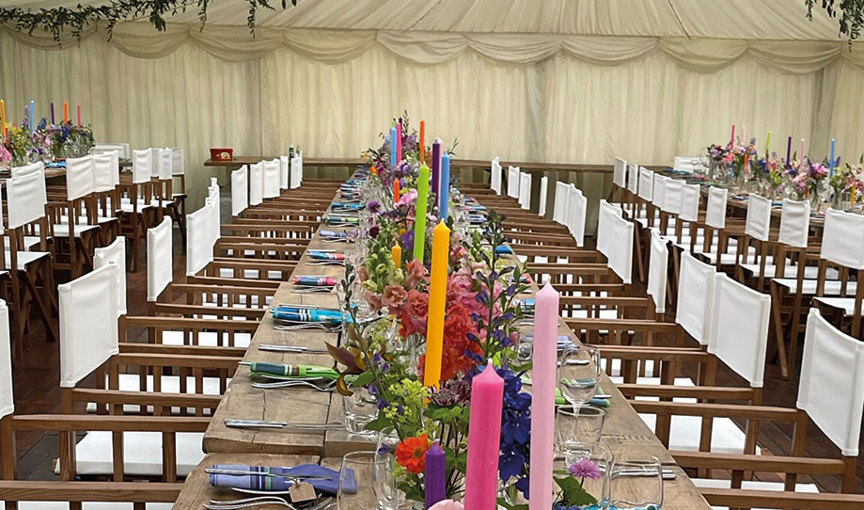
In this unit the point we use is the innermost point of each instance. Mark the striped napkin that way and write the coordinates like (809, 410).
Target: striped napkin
(332, 234)
(338, 220)
(261, 478)
(326, 255)
(345, 206)
(315, 281)
(283, 371)
(301, 314)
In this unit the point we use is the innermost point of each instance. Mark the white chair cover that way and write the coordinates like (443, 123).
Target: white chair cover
(106, 171)
(256, 183)
(88, 324)
(284, 172)
(178, 161)
(831, 390)
(27, 169)
(672, 195)
(615, 240)
(199, 238)
(690, 196)
(619, 173)
(544, 189)
(122, 149)
(525, 190)
(559, 207)
(142, 165)
(115, 253)
(633, 178)
(843, 239)
(163, 165)
(296, 171)
(26, 198)
(239, 190)
(7, 402)
(79, 177)
(739, 328)
(160, 258)
(795, 223)
(715, 213)
(658, 271)
(659, 194)
(758, 222)
(271, 178)
(513, 181)
(695, 294)
(578, 215)
(646, 184)
(495, 179)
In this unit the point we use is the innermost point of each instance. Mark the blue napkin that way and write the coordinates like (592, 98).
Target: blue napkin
(329, 485)
(503, 250)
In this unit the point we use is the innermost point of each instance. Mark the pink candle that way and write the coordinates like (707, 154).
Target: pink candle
(733, 135)
(399, 140)
(801, 152)
(79, 114)
(484, 440)
(543, 400)
(744, 139)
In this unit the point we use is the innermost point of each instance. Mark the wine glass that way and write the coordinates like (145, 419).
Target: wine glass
(637, 484)
(366, 482)
(579, 373)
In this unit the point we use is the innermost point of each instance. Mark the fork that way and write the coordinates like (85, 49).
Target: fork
(327, 387)
(236, 504)
(311, 325)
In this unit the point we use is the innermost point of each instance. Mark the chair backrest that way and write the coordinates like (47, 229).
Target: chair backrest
(495, 179)
(142, 166)
(831, 390)
(658, 271)
(163, 164)
(525, 190)
(758, 222)
(7, 401)
(672, 195)
(115, 253)
(271, 178)
(79, 177)
(544, 189)
(659, 193)
(794, 223)
(576, 214)
(646, 184)
(160, 258)
(715, 212)
(178, 161)
(88, 324)
(239, 190)
(284, 172)
(615, 240)
(513, 182)
(843, 239)
(297, 171)
(122, 149)
(26, 198)
(559, 207)
(28, 169)
(200, 238)
(633, 178)
(695, 296)
(256, 183)
(619, 173)
(106, 171)
(739, 328)
(690, 197)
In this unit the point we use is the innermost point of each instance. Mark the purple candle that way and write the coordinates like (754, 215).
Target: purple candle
(52, 112)
(436, 168)
(436, 474)
(788, 151)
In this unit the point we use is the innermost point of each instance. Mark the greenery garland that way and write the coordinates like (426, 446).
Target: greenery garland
(851, 13)
(56, 20)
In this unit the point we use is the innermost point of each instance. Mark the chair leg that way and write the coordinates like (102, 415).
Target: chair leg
(778, 331)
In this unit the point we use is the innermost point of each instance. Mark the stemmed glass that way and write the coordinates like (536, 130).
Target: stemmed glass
(579, 373)
(366, 482)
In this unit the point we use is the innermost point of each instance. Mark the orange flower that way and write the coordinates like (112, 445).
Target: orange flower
(411, 453)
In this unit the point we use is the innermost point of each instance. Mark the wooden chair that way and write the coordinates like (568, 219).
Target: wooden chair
(136, 208)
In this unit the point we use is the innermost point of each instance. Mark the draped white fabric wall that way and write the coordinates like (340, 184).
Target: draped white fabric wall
(558, 108)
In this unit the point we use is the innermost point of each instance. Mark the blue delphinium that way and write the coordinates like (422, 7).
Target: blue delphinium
(515, 431)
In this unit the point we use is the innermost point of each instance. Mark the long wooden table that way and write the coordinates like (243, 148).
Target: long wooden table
(624, 432)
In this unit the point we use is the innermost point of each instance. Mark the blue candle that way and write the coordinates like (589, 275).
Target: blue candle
(32, 113)
(831, 161)
(393, 147)
(444, 188)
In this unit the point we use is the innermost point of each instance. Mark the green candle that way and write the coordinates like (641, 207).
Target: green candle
(768, 144)
(420, 212)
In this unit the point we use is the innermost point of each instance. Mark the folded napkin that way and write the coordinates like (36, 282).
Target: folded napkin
(299, 314)
(326, 480)
(526, 304)
(346, 206)
(315, 281)
(284, 371)
(476, 208)
(476, 219)
(503, 250)
(326, 255)
(334, 234)
(336, 220)
(55, 164)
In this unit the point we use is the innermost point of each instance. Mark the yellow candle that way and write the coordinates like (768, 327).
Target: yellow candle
(397, 255)
(437, 305)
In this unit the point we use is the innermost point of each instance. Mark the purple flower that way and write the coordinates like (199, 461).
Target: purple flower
(585, 468)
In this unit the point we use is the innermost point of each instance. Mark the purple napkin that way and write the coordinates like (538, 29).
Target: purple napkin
(262, 482)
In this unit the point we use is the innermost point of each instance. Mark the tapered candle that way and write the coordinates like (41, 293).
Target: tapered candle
(420, 212)
(3, 118)
(444, 188)
(831, 161)
(768, 144)
(32, 113)
(436, 166)
(801, 152)
(396, 253)
(544, 368)
(78, 107)
(732, 141)
(484, 440)
(744, 140)
(399, 141)
(393, 147)
(52, 112)
(65, 112)
(436, 474)
(396, 190)
(422, 141)
(788, 151)
(437, 305)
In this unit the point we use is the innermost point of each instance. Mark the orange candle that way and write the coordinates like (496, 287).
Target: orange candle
(396, 190)
(396, 252)
(437, 305)
(422, 141)
(65, 112)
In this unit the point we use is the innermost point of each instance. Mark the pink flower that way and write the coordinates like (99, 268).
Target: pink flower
(407, 199)
(585, 468)
(362, 274)
(374, 300)
(393, 297)
(415, 273)
(414, 313)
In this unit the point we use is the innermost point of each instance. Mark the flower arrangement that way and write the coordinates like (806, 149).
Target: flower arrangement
(572, 494)
(47, 141)
(806, 178)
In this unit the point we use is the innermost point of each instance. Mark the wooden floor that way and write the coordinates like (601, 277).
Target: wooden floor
(36, 382)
